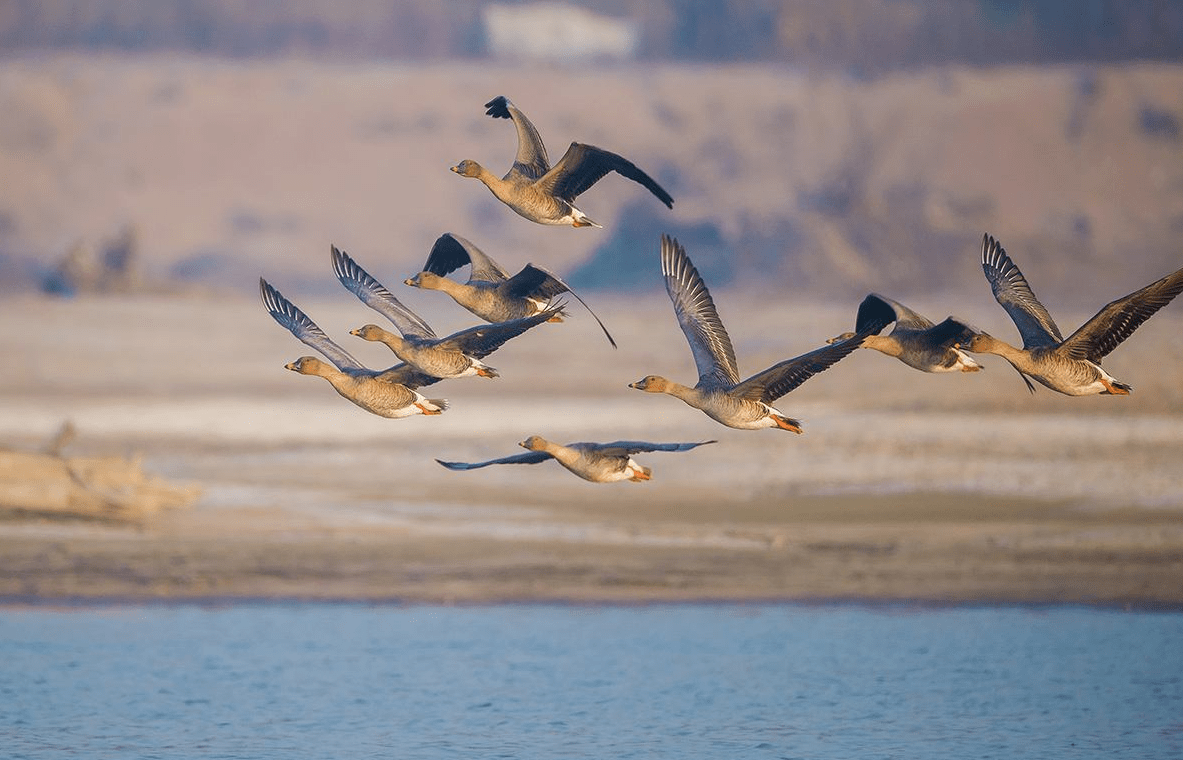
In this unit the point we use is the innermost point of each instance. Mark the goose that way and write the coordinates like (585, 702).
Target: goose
(597, 462)
(915, 340)
(490, 292)
(546, 194)
(719, 393)
(458, 355)
(1070, 366)
(386, 393)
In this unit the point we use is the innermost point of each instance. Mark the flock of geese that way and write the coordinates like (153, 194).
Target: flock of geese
(512, 305)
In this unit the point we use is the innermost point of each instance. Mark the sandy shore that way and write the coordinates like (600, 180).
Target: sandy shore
(904, 487)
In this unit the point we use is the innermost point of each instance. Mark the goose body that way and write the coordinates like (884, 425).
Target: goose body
(386, 393)
(719, 392)
(490, 293)
(1071, 365)
(915, 340)
(595, 462)
(544, 194)
(457, 355)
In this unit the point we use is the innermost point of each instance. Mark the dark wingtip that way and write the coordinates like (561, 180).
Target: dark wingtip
(991, 248)
(873, 315)
(498, 107)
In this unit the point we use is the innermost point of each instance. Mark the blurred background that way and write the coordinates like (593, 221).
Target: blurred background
(159, 156)
(837, 146)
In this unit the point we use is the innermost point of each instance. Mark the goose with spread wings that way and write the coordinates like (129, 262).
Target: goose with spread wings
(386, 393)
(457, 355)
(1071, 365)
(719, 392)
(597, 462)
(915, 340)
(490, 292)
(546, 194)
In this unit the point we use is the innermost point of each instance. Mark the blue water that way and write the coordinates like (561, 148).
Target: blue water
(552, 681)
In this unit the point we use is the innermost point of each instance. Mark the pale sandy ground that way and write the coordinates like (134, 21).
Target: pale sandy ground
(904, 485)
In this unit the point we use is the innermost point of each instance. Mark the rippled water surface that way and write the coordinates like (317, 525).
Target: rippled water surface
(549, 681)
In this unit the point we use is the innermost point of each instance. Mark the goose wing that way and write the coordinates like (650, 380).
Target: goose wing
(375, 295)
(535, 282)
(1014, 295)
(904, 317)
(482, 340)
(1118, 320)
(450, 252)
(948, 333)
(528, 457)
(780, 378)
(627, 448)
(404, 374)
(584, 165)
(531, 161)
(299, 324)
(713, 355)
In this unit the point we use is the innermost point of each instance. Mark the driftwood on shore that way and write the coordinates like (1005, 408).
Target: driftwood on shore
(97, 487)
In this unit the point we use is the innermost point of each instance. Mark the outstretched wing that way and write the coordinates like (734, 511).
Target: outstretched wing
(584, 165)
(1118, 320)
(779, 379)
(535, 282)
(626, 448)
(482, 340)
(299, 324)
(375, 295)
(1014, 295)
(531, 160)
(528, 457)
(713, 355)
(450, 252)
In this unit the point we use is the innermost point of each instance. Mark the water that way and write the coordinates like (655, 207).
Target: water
(552, 681)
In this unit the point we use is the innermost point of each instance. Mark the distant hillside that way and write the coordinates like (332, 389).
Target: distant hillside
(222, 171)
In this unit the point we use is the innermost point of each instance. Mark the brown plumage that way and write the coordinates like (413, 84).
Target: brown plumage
(1069, 365)
(719, 392)
(546, 194)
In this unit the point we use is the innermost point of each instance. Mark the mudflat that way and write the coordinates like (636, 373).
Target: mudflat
(905, 486)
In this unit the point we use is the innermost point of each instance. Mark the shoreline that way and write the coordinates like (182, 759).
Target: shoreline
(921, 551)
(16, 603)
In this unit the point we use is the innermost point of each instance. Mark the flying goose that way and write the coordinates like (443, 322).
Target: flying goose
(597, 462)
(546, 194)
(915, 340)
(1071, 366)
(386, 393)
(719, 393)
(458, 355)
(490, 292)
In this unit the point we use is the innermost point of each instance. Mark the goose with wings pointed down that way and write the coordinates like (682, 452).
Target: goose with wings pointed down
(597, 462)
